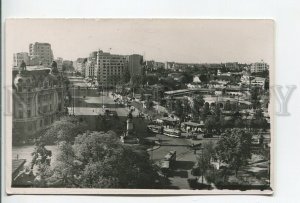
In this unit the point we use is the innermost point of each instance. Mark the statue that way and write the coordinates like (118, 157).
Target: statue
(54, 69)
(22, 67)
(129, 127)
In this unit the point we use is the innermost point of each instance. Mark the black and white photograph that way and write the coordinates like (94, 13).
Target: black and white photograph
(139, 106)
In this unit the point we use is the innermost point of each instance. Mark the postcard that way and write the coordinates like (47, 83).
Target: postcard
(139, 106)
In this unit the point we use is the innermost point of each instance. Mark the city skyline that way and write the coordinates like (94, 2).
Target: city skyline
(247, 41)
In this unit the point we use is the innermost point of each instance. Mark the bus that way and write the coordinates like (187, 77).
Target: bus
(171, 132)
(155, 129)
(168, 163)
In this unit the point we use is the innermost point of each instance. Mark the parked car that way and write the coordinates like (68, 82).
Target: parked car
(208, 135)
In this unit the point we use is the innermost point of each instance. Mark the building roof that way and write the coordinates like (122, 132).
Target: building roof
(168, 119)
(258, 79)
(190, 90)
(190, 123)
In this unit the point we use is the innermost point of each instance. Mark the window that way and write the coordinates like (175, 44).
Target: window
(28, 101)
(44, 109)
(28, 113)
(20, 114)
(30, 127)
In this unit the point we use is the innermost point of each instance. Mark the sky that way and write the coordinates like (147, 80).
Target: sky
(187, 41)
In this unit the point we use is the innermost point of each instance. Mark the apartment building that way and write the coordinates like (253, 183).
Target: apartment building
(19, 57)
(90, 69)
(110, 68)
(135, 64)
(40, 53)
(259, 67)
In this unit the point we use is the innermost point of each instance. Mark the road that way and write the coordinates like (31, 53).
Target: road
(186, 158)
(90, 102)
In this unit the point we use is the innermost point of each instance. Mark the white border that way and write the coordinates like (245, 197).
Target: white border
(286, 15)
(8, 121)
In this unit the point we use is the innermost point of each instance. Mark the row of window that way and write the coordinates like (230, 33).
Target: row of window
(32, 126)
(41, 110)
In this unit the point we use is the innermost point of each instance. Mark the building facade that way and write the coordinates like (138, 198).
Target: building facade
(19, 57)
(59, 62)
(135, 64)
(110, 68)
(154, 65)
(40, 53)
(232, 66)
(90, 69)
(38, 98)
(259, 67)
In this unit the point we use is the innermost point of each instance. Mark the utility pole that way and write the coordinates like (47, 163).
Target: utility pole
(73, 100)
(202, 171)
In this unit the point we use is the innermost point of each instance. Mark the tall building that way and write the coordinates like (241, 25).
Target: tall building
(67, 66)
(110, 68)
(19, 57)
(38, 98)
(59, 62)
(259, 67)
(232, 66)
(90, 69)
(135, 64)
(40, 53)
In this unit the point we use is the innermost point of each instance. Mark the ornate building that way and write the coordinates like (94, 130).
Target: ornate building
(38, 98)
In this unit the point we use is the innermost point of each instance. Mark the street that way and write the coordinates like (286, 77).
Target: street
(90, 102)
(186, 158)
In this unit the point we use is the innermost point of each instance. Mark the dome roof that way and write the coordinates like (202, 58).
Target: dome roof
(23, 80)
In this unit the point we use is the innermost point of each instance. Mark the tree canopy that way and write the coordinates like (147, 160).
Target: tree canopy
(65, 129)
(234, 148)
(100, 160)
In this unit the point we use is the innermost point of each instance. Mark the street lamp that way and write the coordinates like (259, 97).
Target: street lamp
(73, 100)
(202, 171)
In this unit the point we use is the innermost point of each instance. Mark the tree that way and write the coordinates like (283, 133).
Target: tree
(65, 129)
(186, 107)
(152, 79)
(210, 124)
(40, 164)
(203, 78)
(100, 160)
(149, 103)
(136, 81)
(143, 96)
(238, 123)
(217, 112)
(234, 148)
(205, 111)
(198, 102)
(170, 104)
(255, 97)
(259, 120)
(204, 160)
(143, 76)
(187, 77)
(178, 109)
(125, 77)
(227, 106)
